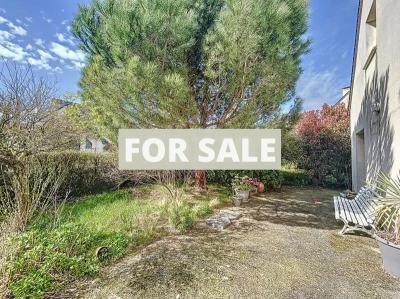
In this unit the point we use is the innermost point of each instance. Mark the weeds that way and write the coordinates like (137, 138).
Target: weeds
(60, 247)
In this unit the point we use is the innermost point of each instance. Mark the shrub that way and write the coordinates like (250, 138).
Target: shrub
(181, 215)
(272, 179)
(28, 188)
(324, 138)
(85, 172)
(387, 219)
(203, 209)
(295, 177)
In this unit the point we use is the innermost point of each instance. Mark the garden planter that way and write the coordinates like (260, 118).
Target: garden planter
(237, 200)
(260, 188)
(243, 194)
(390, 255)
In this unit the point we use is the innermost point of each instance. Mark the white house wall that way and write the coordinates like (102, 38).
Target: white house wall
(377, 89)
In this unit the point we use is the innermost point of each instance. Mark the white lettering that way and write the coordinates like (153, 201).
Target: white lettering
(130, 150)
(228, 151)
(160, 150)
(207, 150)
(177, 147)
(267, 148)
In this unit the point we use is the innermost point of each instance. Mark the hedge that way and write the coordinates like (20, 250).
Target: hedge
(85, 172)
(272, 179)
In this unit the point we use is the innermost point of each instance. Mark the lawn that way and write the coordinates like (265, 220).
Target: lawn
(60, 246)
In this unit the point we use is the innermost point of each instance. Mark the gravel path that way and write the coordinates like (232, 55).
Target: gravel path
(285, 245)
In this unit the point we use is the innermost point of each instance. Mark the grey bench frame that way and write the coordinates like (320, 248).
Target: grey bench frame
(357, 214)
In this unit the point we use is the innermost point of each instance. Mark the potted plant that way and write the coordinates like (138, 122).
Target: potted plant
(237, 200)
(258, 185)
(387, 223)
(242, 187)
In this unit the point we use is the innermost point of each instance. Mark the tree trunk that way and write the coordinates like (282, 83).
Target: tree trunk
(201, 183)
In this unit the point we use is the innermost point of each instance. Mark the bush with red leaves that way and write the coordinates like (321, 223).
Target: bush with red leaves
(324, 138)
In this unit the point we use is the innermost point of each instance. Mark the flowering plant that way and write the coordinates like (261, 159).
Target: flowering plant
(241, 183)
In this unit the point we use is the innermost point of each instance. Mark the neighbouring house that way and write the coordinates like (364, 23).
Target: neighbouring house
(88, 144)
(345, 99)
(375, 92)
(95, 145)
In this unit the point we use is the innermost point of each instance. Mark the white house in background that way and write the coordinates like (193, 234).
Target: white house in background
(95, 145)
(89, 144)
(375, 92)
(345, 99)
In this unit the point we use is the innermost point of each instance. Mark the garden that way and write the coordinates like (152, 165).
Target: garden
(72, 224)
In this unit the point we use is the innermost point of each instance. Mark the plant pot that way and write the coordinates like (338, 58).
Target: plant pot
(243, 194)
(390, 255)
(261, 188)
(237, 200)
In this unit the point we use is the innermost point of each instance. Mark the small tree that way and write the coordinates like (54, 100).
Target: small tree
(324, 138)
(189, 63)
(30, 124)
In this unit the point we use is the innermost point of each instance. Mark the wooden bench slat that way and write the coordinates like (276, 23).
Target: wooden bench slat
(343, 213)
(359, 214)
(349, 211)
(365, 214)
(358, 211)
(336, 204)
(369, 208)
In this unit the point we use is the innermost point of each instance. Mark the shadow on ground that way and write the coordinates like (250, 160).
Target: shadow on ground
(284, 246)
(296, 207)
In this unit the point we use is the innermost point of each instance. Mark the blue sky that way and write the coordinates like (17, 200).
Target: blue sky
(38, 32)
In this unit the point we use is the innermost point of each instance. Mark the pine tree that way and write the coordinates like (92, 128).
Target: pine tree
(189, 63)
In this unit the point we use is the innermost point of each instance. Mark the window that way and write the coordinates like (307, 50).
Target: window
(370, 31)
(360, 159)
(88, 144)
(371, 28)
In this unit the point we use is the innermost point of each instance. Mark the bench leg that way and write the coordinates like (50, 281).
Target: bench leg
(347, 228)
(369, 232)
(344, 229)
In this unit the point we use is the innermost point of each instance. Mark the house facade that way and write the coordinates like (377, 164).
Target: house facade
(345, 99)
(375, 92)
(93, 145)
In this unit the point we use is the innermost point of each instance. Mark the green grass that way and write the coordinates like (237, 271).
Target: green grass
(58, 248)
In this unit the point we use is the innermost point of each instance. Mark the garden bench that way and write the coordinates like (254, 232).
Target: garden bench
(357, 214)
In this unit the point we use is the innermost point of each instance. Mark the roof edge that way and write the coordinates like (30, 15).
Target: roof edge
(360, 5)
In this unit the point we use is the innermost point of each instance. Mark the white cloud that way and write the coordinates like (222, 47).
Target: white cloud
(29, 47)
(12, 51)
(61, 38)
(39, 42)
(45, 55)
(29, 19)
(2, 10)
(5, 35)
(64, 22)
(78, 65)
(57, 69)
(47, 20)
(318, 87)
(67, 53)
(39, 63)
(15, 29)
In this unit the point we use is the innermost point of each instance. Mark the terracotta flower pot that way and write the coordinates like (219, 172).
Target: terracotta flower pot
(260, 187)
